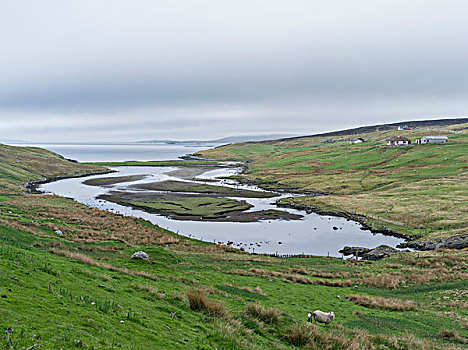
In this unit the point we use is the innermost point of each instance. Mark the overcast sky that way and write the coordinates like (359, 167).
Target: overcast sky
(113, 70)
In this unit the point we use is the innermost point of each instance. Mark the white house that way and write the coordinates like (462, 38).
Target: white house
(398, 141)
(432, 139)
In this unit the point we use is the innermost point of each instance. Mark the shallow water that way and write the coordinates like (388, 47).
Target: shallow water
(121, 152)
(313, 234)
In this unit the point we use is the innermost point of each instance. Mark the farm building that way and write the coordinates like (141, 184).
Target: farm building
(356, 140)
(432, 139)
(398, 141)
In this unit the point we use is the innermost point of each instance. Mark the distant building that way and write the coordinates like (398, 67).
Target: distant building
(404, 127)
(329, 141)
(398, 141)
(356, 140)
(432, 139)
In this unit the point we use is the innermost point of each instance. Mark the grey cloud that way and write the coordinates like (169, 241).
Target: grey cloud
(205, 68)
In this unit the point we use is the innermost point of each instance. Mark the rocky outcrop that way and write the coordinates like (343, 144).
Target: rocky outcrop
(346, 251)
(377, 253)
(380, 252)
(456, 242)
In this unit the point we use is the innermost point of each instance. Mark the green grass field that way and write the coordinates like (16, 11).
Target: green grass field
(81, 289)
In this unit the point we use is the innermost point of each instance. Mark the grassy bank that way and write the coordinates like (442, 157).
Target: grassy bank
(67, 281)
(416, 190)
(19, 165)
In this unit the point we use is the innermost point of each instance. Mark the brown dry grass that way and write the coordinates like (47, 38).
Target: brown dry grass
(382, 303)
(307, 334)
(299, 334)
(257, 289)
(295, 278)
(97, 248)
(336, 283)
(90, 261)
(198, 301)
(82, 224)
(219, 252)
(301, 271)
(298, 279)
(322, 274)
(453, 335)
(270, 315)
(385, 280)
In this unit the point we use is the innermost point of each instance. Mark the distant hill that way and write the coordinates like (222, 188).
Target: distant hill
(229, 139)
(384, 127)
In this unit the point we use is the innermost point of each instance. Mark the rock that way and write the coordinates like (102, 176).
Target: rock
(353, 250)
(456, 242)
(58, 232)
(335, 228)
(140, 255)
(378, 253)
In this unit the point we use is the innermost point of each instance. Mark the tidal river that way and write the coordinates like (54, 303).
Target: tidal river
(312, 234)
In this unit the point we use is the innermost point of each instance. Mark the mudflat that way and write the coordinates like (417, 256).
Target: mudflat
(213, 190)
(108, 181)
(196, 207)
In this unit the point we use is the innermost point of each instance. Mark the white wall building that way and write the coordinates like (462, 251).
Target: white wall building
(432, 139)
(398, 141)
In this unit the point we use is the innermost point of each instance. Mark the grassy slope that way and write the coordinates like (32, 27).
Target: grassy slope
(74, 291)
(415, 190)
(19, 165)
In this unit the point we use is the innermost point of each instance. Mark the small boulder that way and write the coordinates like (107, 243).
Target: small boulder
(378, 253)
(140, 255)
(353, 250)
(58, 232)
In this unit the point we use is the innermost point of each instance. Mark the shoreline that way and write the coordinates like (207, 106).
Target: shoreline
(32, 185)
(354, 217)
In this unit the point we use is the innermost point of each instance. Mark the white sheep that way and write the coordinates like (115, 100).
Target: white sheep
(321, 317)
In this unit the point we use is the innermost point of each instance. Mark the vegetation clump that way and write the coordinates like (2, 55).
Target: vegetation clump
(382, 303)
(270, 315)
(199, 301)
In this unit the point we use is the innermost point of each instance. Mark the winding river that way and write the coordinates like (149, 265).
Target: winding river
(312, 234)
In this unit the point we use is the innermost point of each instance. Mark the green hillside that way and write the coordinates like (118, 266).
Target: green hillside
(19, 165)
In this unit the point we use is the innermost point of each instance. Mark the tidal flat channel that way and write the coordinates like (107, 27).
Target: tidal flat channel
(297, 233)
